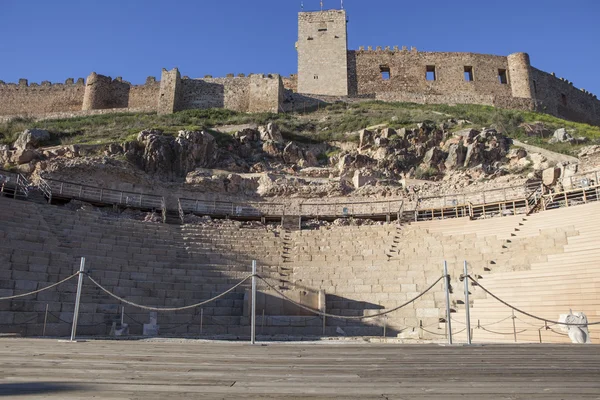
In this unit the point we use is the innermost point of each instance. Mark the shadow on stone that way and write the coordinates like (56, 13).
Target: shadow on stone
(29, 388)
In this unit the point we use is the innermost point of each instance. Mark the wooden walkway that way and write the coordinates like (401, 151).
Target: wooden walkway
(48, 369)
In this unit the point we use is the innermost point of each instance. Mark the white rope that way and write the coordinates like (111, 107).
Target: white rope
(40, 290)
(476, 283)
(359, 318)
(168, 308)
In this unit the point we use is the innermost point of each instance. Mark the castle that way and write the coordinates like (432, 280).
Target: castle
(326, 70)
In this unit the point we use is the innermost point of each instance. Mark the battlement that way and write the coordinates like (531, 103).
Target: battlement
(386, 49)
(24, 83)
(246, 93)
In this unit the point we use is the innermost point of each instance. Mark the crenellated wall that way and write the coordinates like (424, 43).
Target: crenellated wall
(255, 93)
(145, 96)
(560, 98)
(31, 99)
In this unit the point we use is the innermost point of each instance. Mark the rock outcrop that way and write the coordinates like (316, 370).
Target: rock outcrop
(31, 139)
(170, 156)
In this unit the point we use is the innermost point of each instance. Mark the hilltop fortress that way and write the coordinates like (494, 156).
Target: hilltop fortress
(327, 70)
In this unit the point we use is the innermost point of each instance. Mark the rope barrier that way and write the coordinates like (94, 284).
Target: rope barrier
(497, 322)
(133, 319)
(441, 334)
(358, 318)
(526, 323)
(162, 309)
(79, 325)
(28, 322)
(501, 333)
(526, 313)
(557, 333)
(40, 290)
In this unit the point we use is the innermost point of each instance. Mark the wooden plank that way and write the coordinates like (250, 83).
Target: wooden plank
(199, 369)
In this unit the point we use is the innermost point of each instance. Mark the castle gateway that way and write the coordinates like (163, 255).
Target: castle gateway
(326, 70)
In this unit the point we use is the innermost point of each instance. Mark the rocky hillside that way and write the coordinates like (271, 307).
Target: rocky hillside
(366, 149)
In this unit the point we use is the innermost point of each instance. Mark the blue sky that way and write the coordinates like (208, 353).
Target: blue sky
(55, 40)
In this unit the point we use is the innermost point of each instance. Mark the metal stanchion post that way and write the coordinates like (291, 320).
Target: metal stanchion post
(77, 299)
(514, 325)
(201, 319)
(447, 287)
(45, 320)
(253, 322)
(467, 307)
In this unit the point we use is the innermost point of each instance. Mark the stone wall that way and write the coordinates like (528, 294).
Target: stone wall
(145, 96)
(266, 93)
(290, 82)
(560, 98)
(407, 72)
(256, 93)
(30, 99)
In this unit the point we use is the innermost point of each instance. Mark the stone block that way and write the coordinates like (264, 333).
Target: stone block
(550, 176)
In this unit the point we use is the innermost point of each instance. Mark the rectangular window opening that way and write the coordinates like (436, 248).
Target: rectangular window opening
(322, 29)
(469, 74)
(502, 77)
(316, 77)
(563, 98)
(534, 87)
(385, 72)
(431, 74)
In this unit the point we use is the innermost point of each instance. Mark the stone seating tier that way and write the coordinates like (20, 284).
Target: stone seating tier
(543, 263)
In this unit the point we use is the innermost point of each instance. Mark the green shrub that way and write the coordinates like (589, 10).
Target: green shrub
(426, 173)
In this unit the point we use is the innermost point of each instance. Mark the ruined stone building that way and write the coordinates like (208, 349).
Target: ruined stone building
(326, 70)
(327, 67)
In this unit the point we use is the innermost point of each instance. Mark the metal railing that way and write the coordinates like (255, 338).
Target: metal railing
(228, 208)
(569, 198)
(78, 191)
(180, 211)
(352, 209)
(513, 200)
(584, 179)
(308, 210)
(45, 189)
(14, 185)
(163, 209)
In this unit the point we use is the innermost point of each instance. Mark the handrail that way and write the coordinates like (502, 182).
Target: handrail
(21, 184)
(108, 196)
(563, 197)
(45, 188)
(475, 203)
(163, 209)
(181, 213)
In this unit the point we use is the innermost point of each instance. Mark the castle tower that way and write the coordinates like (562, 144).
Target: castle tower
(323, 53)
(519, 70)
(170, 91)
(97, 91)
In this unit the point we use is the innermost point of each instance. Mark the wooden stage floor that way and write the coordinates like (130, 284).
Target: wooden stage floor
(48, 369)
